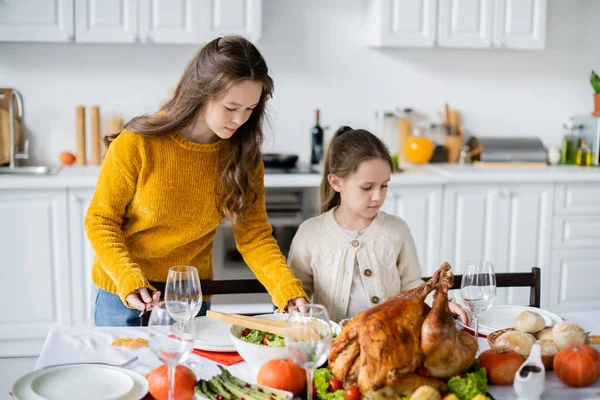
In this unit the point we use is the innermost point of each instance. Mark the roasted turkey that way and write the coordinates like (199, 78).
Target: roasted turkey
(384, 346)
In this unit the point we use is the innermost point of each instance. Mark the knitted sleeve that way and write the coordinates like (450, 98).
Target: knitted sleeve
(104, 219)
(299, 260)
(255, 242)
(408, 264)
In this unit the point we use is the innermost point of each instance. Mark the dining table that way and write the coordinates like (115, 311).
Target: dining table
(93, 344)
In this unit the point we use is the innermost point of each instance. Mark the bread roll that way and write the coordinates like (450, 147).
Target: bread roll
(520, 342)
(566, 333)
(548, 347)
(530, 322)
(546, 333)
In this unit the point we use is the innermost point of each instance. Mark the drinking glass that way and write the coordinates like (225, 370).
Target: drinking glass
(478, 288)
(183, 297)
(170, 350)
(308, 339)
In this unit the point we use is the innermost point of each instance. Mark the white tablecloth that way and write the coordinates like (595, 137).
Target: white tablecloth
(67, 345)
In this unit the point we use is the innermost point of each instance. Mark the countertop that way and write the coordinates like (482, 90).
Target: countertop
(84, 177)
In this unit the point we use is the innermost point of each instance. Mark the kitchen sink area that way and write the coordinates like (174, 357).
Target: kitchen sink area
(29, 170)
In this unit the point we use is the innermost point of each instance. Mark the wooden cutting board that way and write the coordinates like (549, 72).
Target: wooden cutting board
(5, 94)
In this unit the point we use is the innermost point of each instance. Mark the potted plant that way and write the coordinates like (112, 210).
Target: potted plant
(595, 81)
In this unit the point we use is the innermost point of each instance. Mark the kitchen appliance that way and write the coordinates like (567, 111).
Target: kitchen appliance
(11, 119)
(510, 149)
(589, 129)
(286, 208)
(277, 160)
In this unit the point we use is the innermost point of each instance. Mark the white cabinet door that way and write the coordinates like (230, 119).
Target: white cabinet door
(402, 23)
(82, 256)
(106, 21)
(520, 24)
(36, 20)
(465, 23)
(574, 285)
(421, 207)
(172, 21)
(506, 224)
(233, 17)
(35, 269)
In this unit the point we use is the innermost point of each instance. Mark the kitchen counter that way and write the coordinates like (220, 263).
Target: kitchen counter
(85, 176)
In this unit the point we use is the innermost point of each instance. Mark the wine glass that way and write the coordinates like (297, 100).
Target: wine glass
(183, 297)
(170, 350)
(308, 339)
(478, 288)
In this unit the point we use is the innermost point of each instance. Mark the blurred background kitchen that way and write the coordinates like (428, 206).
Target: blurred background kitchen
(487, 105)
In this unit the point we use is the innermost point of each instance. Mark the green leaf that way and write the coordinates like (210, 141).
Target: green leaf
(595, 81)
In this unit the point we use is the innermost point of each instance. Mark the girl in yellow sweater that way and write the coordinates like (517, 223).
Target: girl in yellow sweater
(169, 179)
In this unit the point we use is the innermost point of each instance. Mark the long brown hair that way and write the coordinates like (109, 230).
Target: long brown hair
(216, 67)
(348, 148)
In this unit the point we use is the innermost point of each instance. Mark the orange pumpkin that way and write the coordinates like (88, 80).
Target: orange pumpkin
(185, 381)
(501, 367)
(282, 374)
(577, 365)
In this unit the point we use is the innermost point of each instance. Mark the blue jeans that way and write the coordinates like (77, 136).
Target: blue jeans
(109, 310)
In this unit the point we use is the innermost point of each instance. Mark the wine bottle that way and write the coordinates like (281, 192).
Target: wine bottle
(316, 141)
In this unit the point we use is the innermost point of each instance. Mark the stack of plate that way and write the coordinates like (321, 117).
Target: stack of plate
(210, 335)
(503, 316)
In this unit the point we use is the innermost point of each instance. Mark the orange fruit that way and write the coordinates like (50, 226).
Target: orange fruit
(158, 383)
(67, 158)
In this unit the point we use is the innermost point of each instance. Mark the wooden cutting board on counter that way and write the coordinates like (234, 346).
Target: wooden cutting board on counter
(5, 95)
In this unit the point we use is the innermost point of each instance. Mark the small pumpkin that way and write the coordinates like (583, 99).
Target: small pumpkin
(577, 365)
(282, 374)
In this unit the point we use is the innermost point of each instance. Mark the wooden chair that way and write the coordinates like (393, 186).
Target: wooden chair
(515, 279)
(220, 287)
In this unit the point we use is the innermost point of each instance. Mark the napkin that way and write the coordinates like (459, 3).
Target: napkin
(220, 357)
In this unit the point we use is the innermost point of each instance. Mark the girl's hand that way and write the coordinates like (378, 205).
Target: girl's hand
(299, 302)
(141, 300)
(463, 314)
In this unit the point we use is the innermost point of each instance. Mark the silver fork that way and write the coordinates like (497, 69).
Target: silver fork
(125, 364)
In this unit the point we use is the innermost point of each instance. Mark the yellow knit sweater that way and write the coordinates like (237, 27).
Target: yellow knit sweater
(154, 208)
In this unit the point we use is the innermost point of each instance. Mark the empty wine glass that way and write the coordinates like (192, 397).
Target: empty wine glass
(478, 288)
(170, 350)
(183, 296)
(308, 339)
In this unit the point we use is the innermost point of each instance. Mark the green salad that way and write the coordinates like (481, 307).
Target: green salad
(261, 338)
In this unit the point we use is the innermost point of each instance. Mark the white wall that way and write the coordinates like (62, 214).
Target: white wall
(316, 52)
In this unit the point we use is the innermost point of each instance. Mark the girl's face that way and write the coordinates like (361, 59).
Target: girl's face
(226, 114)
(364, 191)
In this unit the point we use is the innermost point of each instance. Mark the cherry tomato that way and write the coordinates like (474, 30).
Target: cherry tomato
(335, 385)
(352, 393)
(266, 341)
(246, 332)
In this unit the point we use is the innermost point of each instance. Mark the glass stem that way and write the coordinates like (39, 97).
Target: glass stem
(172, 368)
(309, 384)
(476, 322)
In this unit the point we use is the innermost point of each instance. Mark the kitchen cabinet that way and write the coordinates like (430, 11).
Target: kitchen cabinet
(81, 256)
(508, 224)
(511, 24)
(36, 20)
(129, 21)
(106, 21)
(420, 206)
(402, 23)
(35, 268)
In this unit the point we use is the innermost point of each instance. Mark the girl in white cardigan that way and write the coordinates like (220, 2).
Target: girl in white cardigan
(354, 256)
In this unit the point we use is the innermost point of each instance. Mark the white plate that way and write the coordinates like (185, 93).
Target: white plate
(503, 316)
(89, 381)
(209, 335)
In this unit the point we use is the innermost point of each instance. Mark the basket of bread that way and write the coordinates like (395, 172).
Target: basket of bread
(530, 327)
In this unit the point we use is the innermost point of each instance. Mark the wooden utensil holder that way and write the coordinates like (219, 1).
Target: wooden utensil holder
(454, 144)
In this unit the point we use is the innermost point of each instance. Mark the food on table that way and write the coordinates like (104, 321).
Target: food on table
(469, 387)
(426, 393)
(548, 347)
(261, 338)
(566, 333)
(385, 345)
(529, 322)
(577, 365)
(520, 342)
(226, 386)
(501, 367)
(282, 374)
(325, 388)
(450, 396)
(130, 343)
(545, 333)
(185, 382)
